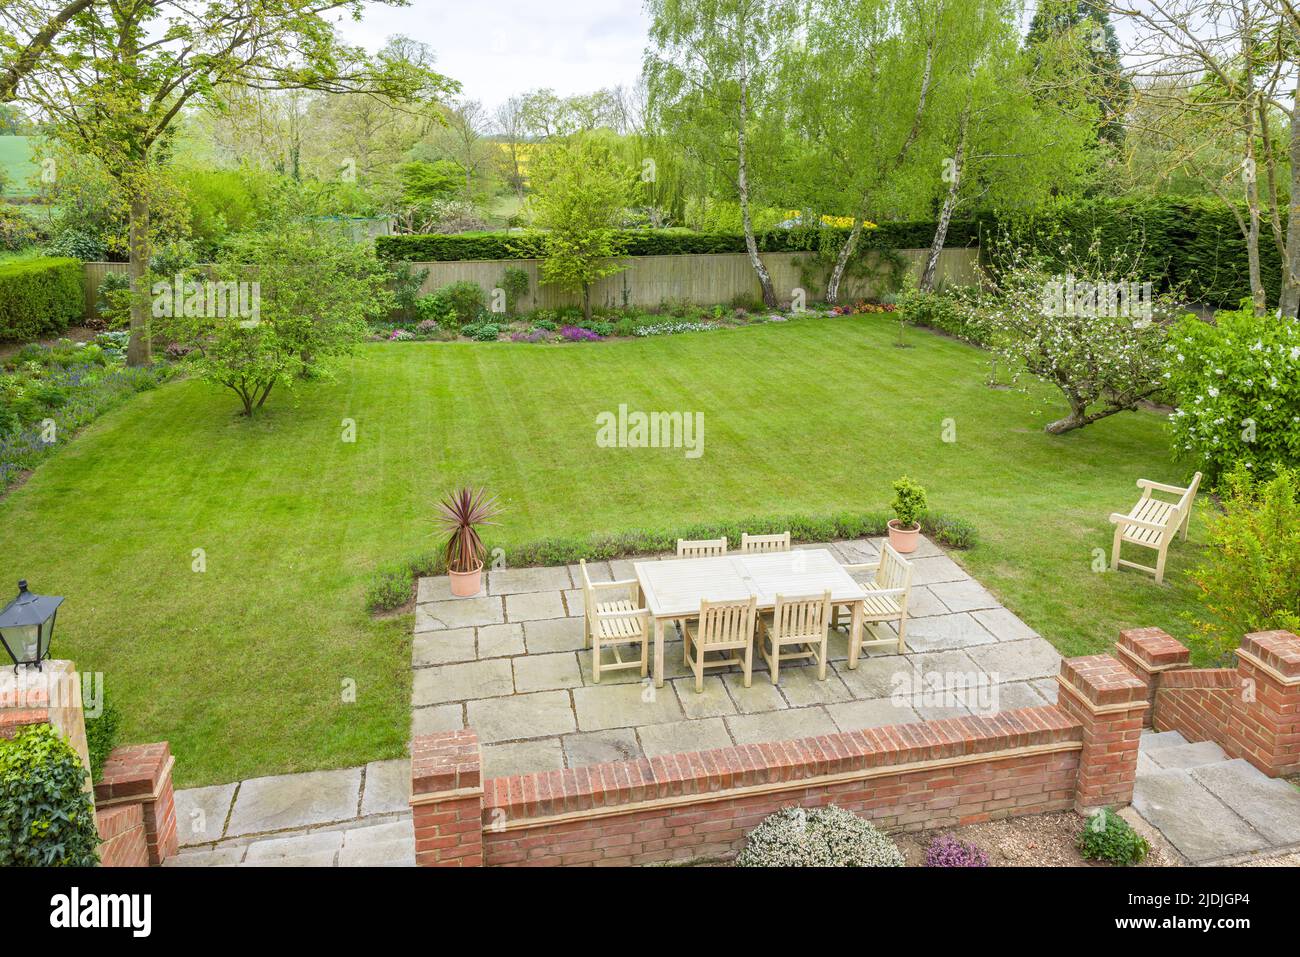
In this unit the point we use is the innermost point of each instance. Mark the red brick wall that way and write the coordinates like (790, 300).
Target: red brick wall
(1199, 703)
(140, 775)
(904, 777)
(1251, 711)
(121, 831)
(902, 801)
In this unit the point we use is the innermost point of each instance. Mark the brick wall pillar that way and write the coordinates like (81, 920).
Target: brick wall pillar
(1268, 664)
(1110, 703)
(447, 799)
(142, 774)
(1148, 653)
(51, 696)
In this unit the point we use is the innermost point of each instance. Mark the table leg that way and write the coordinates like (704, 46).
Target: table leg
(855, 633)
(659, 652)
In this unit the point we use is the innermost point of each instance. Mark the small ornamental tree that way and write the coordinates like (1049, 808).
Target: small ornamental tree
(313, 293)
(1093, 329)
(580, 194)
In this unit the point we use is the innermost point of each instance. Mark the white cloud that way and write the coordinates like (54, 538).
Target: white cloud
(497, 48)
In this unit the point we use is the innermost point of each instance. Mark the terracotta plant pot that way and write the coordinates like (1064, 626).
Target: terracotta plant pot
(468, 584)
(903, 540)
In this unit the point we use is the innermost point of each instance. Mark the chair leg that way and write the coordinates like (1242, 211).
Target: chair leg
(749, 663)
(1160, 566)
(821, 659)
(773, 663)
(902, 635)
(595, 662)
(645, 653)
(1115, 547)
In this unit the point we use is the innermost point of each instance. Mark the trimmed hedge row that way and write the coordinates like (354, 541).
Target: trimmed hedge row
(393, 585)
(460, 247)
(39, 297)
(1192, 243)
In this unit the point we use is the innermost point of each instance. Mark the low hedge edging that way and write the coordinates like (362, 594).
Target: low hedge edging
(392, 585)
(39, 297)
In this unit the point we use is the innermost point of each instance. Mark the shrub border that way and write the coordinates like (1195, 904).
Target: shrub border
(392, 586)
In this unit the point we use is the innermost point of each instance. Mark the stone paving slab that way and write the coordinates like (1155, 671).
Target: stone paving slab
(501, 641)
(442, 647)
(1018, 660)
(462, 682)
(387, 787)
(1187, 755)
(1003, 625)
(601, 707)
(535, 605)
(547, 672)
(440, 717)
(940, 568)
(556, 634)
(676, 737)
(511, 581)
(600, 747)
(295, 800)
(459, 613)
(780, 725)
(967, 595)
(1197, 823)
(521, 757)
(201, 813)
(1270, 805)
(872, 713)
(946, 631)
(534, 715)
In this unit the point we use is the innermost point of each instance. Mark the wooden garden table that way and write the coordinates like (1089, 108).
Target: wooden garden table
(673, 589)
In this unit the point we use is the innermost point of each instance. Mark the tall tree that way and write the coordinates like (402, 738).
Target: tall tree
(712, 73)
(115, 78)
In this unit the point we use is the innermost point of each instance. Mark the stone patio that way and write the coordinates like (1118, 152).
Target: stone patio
(350, 817)
(510, 663)
(1211, 809)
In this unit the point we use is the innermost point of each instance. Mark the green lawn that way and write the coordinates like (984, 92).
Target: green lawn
(243, 666)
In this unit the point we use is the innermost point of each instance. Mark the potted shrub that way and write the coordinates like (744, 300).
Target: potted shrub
(460, 515)
(908, 504)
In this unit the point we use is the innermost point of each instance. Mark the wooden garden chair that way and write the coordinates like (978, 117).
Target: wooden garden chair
(613, 622)
(801, 622)
(887, 595)
(701, 548)
(722, 627)
(1152, 523)
(752, 544)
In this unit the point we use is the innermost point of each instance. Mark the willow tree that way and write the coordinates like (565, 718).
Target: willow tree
(712, 74)
(113, 78)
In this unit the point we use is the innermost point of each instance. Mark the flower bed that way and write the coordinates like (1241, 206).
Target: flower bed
(47, 393)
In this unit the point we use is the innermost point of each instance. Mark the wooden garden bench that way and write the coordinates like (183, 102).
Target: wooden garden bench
(1152, 523)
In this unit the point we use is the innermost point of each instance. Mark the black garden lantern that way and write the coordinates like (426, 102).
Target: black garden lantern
(26, 624)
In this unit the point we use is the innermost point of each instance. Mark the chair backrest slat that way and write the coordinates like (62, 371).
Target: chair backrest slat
(764, 543)
(895, 571)
(701, 548)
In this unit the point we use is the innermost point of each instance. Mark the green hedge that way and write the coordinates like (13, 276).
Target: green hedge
(39, 297)
(459, 247)
(392, 586)
(1190, 243)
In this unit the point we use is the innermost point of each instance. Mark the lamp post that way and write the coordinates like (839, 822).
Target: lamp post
(26, 625)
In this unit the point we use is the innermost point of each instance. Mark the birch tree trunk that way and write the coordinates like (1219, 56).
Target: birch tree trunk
(742, 188)
(1290, 301)
(842, 261)
(949, 204)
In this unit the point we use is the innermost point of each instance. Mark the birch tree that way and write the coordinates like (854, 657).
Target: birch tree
(712, 74)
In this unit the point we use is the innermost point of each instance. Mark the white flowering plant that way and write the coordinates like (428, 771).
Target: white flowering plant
(1236, 385)
(819, 837)
(1092, 327)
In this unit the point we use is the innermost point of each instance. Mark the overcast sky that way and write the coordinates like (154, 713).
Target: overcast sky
(497, 48)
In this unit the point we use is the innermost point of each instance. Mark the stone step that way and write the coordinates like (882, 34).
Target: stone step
(1202, 827)
(1198, 754)
(1155, 740)
(379, 854)
(1269, 805)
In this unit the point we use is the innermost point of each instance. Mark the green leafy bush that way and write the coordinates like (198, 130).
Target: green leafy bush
(482, 332)
(457, 304)
(819, 837)
(515, 284)
(46, 818)
(73, 243)
(16, 230)
(909, 502)
(39, 297)
(1248, 581)
(391, 586)
(1236, 386)
(101, 736)
(1108, 837)
(938, 310)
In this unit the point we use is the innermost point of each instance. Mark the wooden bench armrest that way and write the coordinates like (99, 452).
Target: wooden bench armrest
(865, 567)
(891, 592)
(1119, 519)
(621, 583)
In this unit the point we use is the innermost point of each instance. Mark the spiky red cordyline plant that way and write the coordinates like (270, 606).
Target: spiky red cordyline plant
(458, 514)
